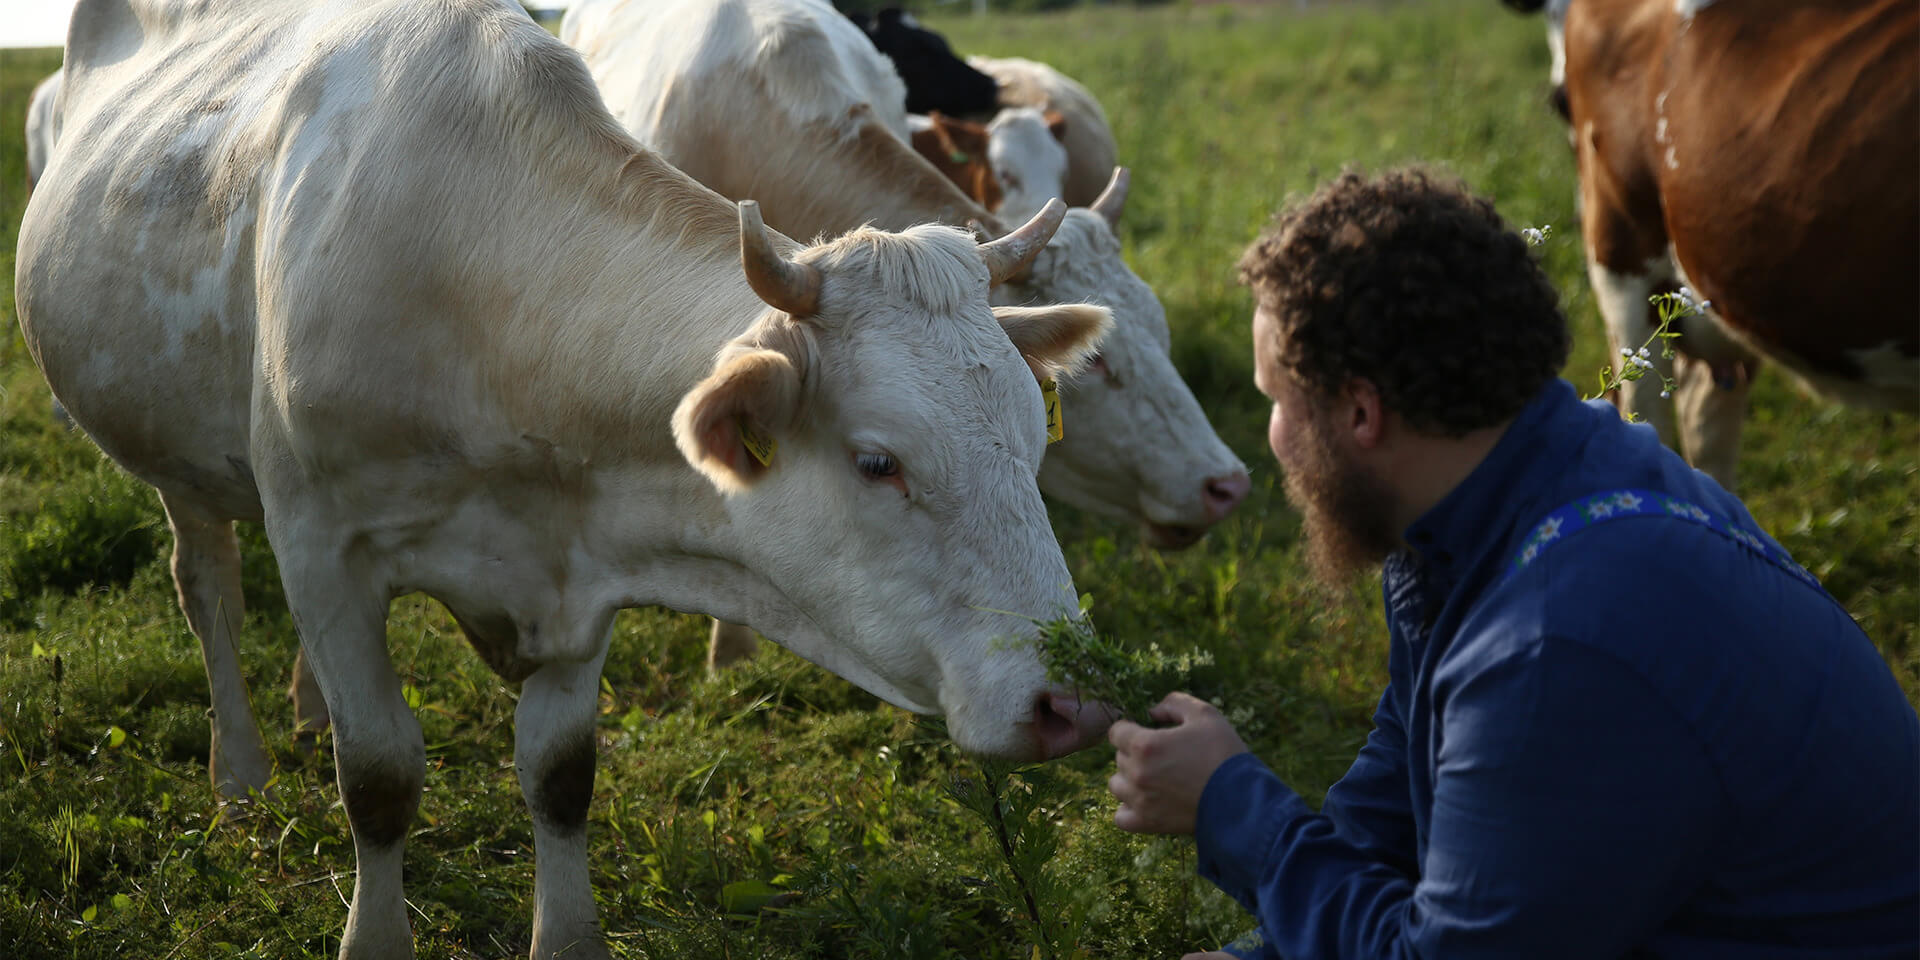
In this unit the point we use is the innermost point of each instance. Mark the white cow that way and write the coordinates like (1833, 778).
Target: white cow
(1091, 152)
(1028, 159)
(387, 277)
(43, 126)
(802, 133)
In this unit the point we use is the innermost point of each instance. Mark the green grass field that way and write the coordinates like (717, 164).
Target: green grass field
(715, 792)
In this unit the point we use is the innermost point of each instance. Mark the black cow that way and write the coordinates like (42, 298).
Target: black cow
(936, 78)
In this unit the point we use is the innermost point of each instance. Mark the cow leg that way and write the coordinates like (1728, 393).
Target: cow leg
(206, 572)
(731, 643)
(1714, 379)
(379, 756)
(1630, 321)
(1712, 413)
(309, 706)
(553, 753)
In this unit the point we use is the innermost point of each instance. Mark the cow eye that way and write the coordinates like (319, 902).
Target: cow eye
(1097, 362)
(877, 466)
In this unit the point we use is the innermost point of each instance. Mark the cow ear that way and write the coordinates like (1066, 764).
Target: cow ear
(1057, 124)
(969, 135)
(1057, 340)
(728, 426)
(943, 136)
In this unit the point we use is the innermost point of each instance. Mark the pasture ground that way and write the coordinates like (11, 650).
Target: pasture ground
(713, 792)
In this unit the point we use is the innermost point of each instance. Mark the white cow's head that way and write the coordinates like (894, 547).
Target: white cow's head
(1027, 158)
(878, 437)
(1137, 446)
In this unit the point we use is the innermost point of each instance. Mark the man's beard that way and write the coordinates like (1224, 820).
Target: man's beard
(1346, 512)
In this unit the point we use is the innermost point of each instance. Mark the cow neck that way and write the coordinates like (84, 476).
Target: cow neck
(631, 303)
(873, 177)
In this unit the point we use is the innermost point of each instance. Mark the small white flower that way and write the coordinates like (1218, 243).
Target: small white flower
(1626, 351)
(1690, 301)
(1665, 394)
(1535, 237)
(1642, 354)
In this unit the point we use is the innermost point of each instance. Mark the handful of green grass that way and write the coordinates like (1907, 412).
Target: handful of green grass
(1100, 668)
(1012, 800)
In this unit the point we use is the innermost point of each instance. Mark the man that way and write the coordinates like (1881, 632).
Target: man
(1619, 720)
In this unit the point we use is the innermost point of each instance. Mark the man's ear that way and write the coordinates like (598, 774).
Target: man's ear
(1365, 415)
(728, 425)
(1057, 340)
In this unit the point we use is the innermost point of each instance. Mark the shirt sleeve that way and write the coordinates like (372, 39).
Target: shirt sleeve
(1372, 806)
(1573, 810)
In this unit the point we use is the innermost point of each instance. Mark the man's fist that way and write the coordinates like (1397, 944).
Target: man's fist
(1159, 774)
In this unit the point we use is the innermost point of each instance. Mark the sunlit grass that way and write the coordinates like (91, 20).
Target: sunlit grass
(776, 811)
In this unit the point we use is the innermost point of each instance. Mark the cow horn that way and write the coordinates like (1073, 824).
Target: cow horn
(1113, 200)
(1010, 254)
(782, 283)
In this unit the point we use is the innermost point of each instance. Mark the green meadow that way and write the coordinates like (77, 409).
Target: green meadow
(774, 810)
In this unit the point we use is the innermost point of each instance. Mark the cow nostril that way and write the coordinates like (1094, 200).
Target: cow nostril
(1063, 723)
(1225, 493)
(1055, 730)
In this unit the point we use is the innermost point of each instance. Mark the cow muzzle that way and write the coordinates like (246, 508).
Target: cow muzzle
(1063, 724)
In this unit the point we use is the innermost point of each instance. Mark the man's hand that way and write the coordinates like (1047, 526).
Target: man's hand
(1160, 773)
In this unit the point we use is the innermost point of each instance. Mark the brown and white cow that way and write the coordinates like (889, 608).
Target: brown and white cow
(388, 277)
(1091, 152)
(1767, 154)
(1010, 166)
(958, 149)
(1027, 153)
(796, 74)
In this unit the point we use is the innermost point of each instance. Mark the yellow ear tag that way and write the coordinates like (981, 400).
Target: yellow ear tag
(759, 444)
(1050, 393)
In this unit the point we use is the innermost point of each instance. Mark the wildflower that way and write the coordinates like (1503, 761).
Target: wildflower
(1535, 237)
(1626, 351)
(1691, 302)
(1643, 353)
(1664, 394)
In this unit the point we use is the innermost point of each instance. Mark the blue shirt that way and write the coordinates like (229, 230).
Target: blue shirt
(1649, 741)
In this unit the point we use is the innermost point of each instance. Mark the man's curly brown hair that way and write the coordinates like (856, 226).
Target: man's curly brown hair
(1416, 285)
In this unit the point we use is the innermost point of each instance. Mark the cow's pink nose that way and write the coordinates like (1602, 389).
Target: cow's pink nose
(1225, 493)
(1063, 724)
